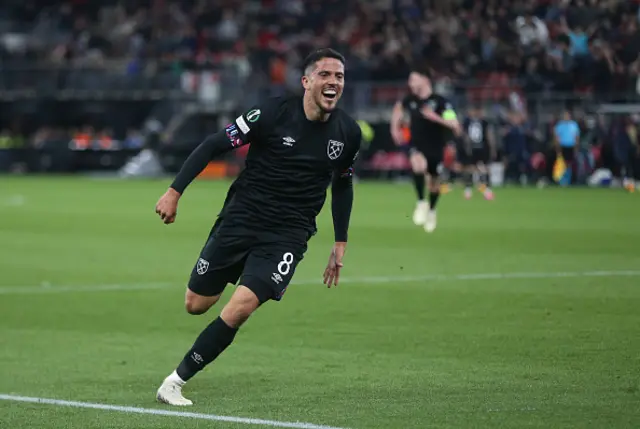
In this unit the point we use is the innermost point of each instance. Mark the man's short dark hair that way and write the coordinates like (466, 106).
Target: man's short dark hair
(320, 54)
(421, 72)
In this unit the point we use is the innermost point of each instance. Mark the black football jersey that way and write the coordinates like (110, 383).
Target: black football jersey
(426, 134)
(289, 166)
(476, 130)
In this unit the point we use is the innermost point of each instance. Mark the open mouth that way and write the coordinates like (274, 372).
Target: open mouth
(330, 94)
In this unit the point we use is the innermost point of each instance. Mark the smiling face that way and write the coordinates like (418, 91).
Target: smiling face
(324, 82)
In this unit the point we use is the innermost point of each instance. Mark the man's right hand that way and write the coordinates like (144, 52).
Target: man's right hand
(167, 206)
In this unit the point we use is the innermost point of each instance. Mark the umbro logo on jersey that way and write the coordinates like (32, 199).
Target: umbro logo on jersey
(334, 149)
(288, 141)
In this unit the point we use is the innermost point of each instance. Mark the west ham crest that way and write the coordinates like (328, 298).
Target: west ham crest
(334, 149)
(202, 266)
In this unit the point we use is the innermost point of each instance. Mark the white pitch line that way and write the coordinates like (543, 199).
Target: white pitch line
(367, 279)
(14, 201)
(161, 412)
(81, 288)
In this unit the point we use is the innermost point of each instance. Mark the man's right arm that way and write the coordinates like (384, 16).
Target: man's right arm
(245, 129)
(396, 122)
(213, 146)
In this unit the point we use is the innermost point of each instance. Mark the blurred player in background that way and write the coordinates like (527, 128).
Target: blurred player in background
(432, 120)
(477, 151)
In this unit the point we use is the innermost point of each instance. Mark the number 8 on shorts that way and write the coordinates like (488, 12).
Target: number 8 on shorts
(285, 265)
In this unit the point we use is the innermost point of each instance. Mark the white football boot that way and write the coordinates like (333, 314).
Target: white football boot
(430, 223)
(420, 213)
(171, 391)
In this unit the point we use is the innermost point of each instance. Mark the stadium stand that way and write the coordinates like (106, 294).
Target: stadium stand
(163, 58)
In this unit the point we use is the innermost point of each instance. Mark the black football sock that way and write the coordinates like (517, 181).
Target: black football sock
(433, 199)
(468, 179)
(486, 180)
(482, 177)
(210, 343)
(418, 182)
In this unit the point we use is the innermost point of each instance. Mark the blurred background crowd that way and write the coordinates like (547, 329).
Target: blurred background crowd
(104, 69)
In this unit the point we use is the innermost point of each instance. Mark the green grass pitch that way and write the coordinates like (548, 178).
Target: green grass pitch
(474, 326)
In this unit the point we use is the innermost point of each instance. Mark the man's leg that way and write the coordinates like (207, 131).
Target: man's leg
(266, 273)
(468, 181)
(211, 342)
(483, 171)
(466, 160)
(433, 181)
(220, 333)
(198, 304)
(207, 282)
(206, 285)
(418, 167)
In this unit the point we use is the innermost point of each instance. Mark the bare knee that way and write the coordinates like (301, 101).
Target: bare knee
(418, 163)
(198, 304)
(241, 305)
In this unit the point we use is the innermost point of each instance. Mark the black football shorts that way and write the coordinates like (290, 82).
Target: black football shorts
(231, 254)
(433, 153)
(480, 155)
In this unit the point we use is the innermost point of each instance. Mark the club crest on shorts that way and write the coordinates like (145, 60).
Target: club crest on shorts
(334, 149)
(202, 266)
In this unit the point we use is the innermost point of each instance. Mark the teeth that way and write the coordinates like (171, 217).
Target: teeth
(329, 92)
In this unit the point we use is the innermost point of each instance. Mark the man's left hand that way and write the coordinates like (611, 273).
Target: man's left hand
(332, 272)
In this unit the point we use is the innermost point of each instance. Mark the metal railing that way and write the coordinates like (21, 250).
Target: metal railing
(225, 85)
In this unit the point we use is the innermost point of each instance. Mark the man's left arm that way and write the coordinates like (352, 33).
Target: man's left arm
(448, 119)
(341, 205)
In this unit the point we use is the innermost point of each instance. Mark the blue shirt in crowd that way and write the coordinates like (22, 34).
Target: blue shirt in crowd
(579, 44)
(567, 132)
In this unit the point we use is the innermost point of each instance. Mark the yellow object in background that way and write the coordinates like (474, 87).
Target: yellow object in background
(449, 114)
(559, 168)
(367, 131)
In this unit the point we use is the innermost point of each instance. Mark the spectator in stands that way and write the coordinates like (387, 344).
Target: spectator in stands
(514, 142)
(602, 68)
(531, 30)
(134, 139)
(625, 148)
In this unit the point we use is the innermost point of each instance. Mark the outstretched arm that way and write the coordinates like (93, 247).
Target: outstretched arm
(212, 147)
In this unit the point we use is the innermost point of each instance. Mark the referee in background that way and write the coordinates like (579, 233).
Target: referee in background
(567, 140)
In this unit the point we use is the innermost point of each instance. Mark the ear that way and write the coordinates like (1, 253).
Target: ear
(306, 82)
